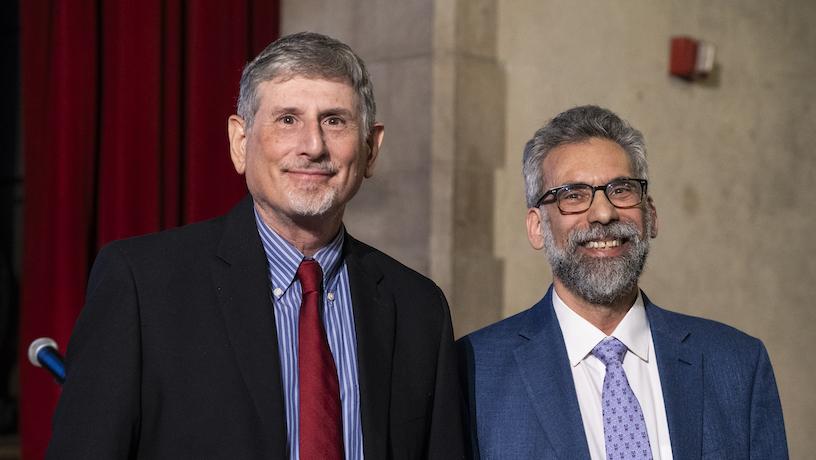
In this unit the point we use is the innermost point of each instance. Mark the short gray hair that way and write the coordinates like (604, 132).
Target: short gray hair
(309, 55)
(577, 125)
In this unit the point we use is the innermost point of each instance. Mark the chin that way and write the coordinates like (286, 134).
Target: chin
(312, 204)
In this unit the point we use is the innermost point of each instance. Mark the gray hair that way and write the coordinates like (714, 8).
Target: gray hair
(309, 55)
(577, 125)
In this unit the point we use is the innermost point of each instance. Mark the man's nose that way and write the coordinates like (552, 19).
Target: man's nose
(311, 140)
(601, 210)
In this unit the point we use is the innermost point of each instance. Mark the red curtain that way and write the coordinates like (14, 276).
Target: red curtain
(124, 118)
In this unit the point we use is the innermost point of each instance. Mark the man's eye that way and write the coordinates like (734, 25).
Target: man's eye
(334, 121)
(621, 189)
(287, 119)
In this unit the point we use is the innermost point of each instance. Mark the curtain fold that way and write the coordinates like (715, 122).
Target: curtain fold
(124, 132)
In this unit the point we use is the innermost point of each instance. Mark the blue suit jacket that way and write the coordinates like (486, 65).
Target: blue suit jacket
(718, 386)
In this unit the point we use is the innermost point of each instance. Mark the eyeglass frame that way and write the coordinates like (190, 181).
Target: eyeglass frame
(554, 192)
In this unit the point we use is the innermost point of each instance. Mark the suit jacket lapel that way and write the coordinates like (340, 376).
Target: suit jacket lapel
(241, 280)
(681, 377)
(374, 326)
(545, 370)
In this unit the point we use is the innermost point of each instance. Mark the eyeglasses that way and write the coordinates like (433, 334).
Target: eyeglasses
(577, 198)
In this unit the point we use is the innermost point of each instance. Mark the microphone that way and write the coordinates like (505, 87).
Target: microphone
(43, 352)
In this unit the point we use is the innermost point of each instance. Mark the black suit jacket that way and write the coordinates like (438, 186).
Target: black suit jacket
(175, 354)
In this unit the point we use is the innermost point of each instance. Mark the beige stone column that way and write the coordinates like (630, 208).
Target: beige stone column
(467, 67)
(440, 93)
(392, 209)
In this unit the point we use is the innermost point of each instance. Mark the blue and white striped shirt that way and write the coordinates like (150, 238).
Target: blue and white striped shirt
(338, 319)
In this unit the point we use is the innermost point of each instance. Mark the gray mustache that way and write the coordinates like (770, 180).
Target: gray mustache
(322, 166)
(596, 231)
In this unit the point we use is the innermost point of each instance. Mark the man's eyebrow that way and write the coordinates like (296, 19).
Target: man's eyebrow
(324, 112)
(337, 111)
(621, 177)
(282, 109)
(576, 182)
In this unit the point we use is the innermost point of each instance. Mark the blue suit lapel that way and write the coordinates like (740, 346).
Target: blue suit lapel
(681, 377)
(545, 370)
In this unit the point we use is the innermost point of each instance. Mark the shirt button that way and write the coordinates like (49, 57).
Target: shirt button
(277, 292)
(330, 296)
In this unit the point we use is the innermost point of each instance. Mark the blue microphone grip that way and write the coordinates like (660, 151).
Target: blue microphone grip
(52, 361)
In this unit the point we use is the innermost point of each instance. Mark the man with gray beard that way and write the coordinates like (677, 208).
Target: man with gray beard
(595, 370)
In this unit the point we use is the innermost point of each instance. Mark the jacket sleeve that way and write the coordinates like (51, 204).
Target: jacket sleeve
(446, 438)
(98, 411)
(767, 438)
(467, 376)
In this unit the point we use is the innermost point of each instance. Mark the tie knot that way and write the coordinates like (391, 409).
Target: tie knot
(310, 276)
(609, 350)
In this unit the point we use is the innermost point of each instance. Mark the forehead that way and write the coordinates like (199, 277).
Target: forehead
(303, 92)
(595, 162)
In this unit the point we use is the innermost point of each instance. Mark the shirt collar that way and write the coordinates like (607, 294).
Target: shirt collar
(581, 336)
(284, 259)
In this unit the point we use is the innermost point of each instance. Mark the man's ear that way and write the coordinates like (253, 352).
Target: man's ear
(651, 209)
(237, 141)
(534, 222)
(373, 142)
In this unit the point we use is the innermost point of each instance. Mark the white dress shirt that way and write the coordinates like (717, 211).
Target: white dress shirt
(640, 365)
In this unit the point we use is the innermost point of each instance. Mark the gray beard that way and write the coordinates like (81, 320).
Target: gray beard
(600, 281)
(314, 200)
(311, 203)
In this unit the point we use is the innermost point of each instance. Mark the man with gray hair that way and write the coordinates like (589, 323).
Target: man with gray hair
(595, 370)
(268, 332)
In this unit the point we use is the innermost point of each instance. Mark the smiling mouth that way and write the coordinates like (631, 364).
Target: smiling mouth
(310, 175)
(603, 244)
(315, 172)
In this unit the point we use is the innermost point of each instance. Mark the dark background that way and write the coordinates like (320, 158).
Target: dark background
(11, 199)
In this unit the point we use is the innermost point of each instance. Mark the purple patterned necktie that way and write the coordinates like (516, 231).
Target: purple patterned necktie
(625, 433)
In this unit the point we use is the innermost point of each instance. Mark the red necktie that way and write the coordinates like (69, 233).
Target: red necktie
(321, 426)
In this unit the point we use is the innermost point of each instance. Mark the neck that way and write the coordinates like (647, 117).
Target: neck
(604, 317)
(306, 233)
